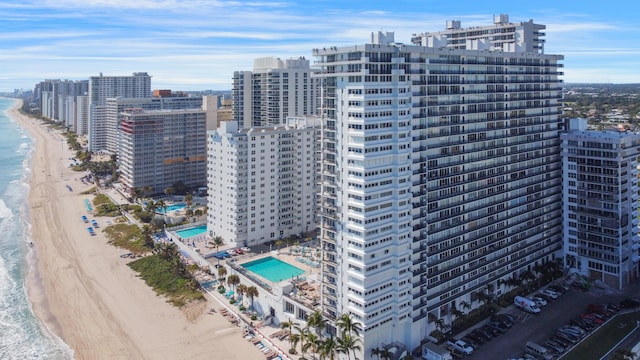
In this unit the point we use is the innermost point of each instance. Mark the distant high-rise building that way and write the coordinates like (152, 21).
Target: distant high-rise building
(57, 99)
(262, 181)
(101, 128)
(600, 200)
(501, 36)
(274, 90)
(441, 178)
(159, 148)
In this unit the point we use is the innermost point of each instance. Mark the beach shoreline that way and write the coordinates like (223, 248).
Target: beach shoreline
(83, 291)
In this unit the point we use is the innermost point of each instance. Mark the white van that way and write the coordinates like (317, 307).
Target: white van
(538, 351)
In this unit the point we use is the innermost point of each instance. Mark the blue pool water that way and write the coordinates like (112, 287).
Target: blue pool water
(273, 269)
(170, 208)
(191, 232)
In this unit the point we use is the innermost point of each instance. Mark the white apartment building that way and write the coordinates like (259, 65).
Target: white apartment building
(501, 36)
(262, 181)
(273, 91)
(441, 175)
(82, 115)
(600, 203)
(101, 127)
(162, 147)
(114, 106)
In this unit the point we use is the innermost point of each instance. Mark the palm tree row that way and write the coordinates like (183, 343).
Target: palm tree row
(312, 339)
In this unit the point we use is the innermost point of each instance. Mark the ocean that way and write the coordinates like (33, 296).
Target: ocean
(22, 335)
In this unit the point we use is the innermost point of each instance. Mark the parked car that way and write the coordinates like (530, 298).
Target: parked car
(555, 346)
(568, 337)
(540, 301)
(499, 326)
(629, 303)
(491, 330)
(487, 334)
(461, 346)
(558, 288)
(564, 342)
(547, 298)
(550, 293)
(613, 307)
(592, 317)
(479, 339)
(475, 344)
(503, 318)
(481, 335)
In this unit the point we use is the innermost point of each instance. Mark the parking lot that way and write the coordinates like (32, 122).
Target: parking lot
(538, 328)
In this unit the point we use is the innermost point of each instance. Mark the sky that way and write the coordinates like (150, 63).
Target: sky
(198, 44)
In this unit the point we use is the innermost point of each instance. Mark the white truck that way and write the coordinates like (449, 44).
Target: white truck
(460, 346)
(431, 351)
(526, 304)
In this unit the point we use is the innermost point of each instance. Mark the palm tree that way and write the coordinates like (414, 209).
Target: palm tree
(147, 190)
(294, 339)
(233, 280)
(316, 321)
(441, 325)
(151, 206)
(198, 213)
(346, 323)
(347, 343)
(465, 305)
(329, 348)
(303, 332)
(241, 289)
(188, 213)
(222, 272)
(169, 192)
(146, 236)
(252, 292)
(375, 352)
(313, 343)
(288, 325)
(189, 200)
(163, 205)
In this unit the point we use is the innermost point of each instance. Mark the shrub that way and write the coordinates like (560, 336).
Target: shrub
(253, 317)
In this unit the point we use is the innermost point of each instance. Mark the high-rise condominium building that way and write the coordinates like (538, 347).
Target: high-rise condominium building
(274, 90)
(262, 181)
(162, 147)
(101, 128)
(114, 106)
(58, 100)
(600, 200)
(501, 36)
(441, 176)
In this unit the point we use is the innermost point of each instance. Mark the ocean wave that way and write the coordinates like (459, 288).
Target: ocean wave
(5, 212)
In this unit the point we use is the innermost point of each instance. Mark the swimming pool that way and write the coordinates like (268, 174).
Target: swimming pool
(191, 232)
(169, 208)
(273, 269)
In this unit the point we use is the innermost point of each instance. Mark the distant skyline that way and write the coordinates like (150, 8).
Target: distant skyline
(198, 44)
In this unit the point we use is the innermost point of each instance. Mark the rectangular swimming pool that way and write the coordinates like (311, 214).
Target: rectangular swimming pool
(191, 232)
(273, 269)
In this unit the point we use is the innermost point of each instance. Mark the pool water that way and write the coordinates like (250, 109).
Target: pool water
(191, 232)
(174, 207)
(273, 269)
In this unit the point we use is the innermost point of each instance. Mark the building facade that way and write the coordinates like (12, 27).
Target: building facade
(262, 181)
(101, 127)
(441, 176)
(114, 106)
(501, 36)
(600, 203)
(162, 147)
(273, 91)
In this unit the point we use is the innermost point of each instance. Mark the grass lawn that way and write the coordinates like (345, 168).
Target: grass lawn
(104, 206)
(161, 276)
(126, 236)
(605, 337)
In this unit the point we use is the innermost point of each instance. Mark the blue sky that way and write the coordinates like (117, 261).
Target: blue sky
(197, 44)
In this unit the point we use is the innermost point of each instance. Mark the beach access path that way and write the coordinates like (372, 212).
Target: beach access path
(86, 294)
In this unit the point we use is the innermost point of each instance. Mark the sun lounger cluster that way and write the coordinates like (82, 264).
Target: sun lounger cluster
(267, 351)
(314, 264)
(280, 334)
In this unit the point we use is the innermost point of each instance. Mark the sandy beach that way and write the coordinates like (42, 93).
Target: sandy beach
(84, 292)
